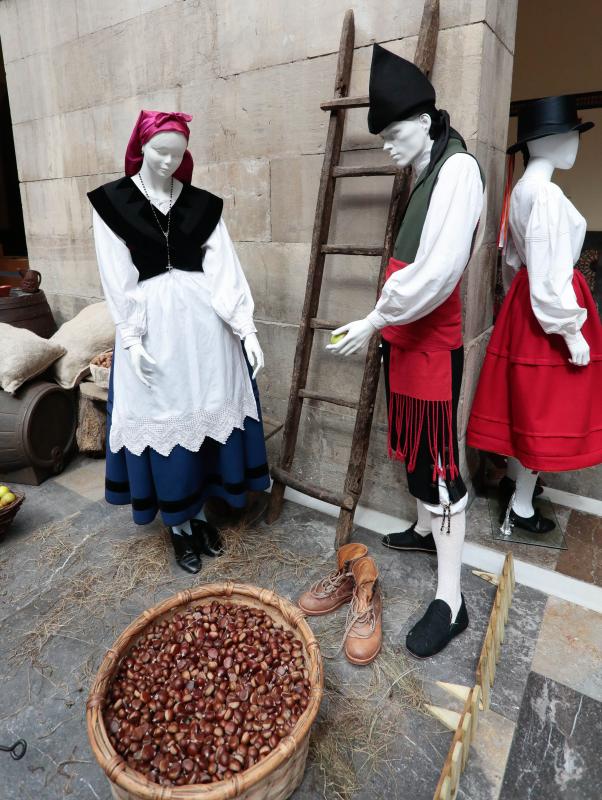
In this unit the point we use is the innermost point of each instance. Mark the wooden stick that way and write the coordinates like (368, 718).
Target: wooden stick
(451, 719)
(486, 576)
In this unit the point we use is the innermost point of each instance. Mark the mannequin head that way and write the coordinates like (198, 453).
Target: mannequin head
(560, 150)
(405, 141)
(163, 153)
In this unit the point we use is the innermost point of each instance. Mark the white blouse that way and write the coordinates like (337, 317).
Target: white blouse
(445, 244)
(191, 323)
(546, 235)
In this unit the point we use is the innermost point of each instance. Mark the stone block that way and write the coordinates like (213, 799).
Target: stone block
(31, 26)
(495, 70)
(474, 353)
(277, 275)
(93, 16)
(113, 63)
(493, 163)
(245, 188)
(360, 205)
(477, 290)
(251, 37)
(263, 113)
(294, 184)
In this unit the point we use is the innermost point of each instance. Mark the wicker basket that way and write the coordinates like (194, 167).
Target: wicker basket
(8, 513)
(100, 375)
(275, 777)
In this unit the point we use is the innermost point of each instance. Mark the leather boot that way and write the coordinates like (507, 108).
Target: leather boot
(186, 555)
(363, 634)
(336, 588)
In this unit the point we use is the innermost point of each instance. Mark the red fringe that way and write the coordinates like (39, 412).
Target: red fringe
(408, 414)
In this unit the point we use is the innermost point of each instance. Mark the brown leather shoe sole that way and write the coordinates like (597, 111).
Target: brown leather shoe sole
(329, 611)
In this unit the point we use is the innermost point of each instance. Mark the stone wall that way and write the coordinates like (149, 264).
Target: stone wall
(253, 75)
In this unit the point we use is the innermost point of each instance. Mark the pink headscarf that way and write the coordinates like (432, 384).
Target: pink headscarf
(147, 125)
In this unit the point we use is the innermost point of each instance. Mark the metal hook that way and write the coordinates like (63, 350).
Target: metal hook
(16, 750)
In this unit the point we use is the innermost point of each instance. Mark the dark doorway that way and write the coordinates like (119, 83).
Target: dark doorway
(12, 230)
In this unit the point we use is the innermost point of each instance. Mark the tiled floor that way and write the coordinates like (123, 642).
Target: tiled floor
(541, 738)
(581, 558)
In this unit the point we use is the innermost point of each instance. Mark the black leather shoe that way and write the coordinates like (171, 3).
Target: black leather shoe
(436, 630)
(186, 555)
(534, 524)
(410, 540)
(206, 538)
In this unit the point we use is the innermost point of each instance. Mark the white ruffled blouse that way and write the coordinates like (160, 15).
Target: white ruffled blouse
(191, 323)
(546, 235)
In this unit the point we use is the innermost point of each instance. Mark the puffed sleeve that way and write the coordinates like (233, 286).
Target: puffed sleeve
(444, 249)
(119, 279)
(550, 259)
(230, 293)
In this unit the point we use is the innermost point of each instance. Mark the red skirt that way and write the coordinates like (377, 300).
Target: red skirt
(531, 403)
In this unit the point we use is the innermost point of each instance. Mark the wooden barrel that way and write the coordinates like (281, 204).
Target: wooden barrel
(29, 311)
(37, 432)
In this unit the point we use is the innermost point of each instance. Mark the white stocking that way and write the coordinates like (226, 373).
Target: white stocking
(182, 530)
(423, 526)
(449, 558)
(523, 497)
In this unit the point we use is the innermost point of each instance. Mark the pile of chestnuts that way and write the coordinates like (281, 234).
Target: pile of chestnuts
(206, 694)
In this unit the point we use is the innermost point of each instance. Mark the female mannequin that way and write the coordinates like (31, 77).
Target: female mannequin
(546, 347)
(419, 314)
(184, 421)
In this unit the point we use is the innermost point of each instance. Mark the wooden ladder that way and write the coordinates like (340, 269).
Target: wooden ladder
(346, 500)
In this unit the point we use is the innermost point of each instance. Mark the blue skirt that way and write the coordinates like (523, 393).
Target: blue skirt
(178, 485)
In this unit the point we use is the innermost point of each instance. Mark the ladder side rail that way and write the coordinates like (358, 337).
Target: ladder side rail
(316, 265)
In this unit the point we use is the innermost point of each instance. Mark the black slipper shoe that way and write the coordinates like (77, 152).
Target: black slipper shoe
(410, 540)
(534, 524)
(436, 630)
(206, 538)
(186, 556)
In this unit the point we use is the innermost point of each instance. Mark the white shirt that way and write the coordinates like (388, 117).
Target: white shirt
(445, 245)
(546, 235)
(191, 323)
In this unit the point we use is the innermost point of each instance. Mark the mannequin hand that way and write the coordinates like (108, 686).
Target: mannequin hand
(357, 334)
(578, 348)
(142, 363)
(254, 353)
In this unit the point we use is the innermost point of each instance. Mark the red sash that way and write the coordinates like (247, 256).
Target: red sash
(420, 382)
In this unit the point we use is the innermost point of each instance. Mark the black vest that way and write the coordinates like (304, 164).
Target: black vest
(194, 216)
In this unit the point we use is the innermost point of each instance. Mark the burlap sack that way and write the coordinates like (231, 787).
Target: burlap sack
(91, 332)
(23, 355)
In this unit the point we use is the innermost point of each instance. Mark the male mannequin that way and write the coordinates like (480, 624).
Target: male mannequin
(419, 313)
(546, 344)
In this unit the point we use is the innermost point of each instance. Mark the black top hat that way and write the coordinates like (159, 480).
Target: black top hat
(546, 117)
(398, 89)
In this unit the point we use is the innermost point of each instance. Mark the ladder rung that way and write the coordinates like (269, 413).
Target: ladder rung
(306, 394)
(339, 499)
(351, 250)
(323, 324)
(359, 172)
(346, 102)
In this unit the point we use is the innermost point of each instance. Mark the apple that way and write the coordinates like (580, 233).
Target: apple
(336, 339)
(7, 499)
(4, 490)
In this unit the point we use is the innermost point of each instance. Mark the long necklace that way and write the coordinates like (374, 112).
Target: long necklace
(164, 232)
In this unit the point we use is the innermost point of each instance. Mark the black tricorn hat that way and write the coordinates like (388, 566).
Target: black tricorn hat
(546, 117)
(398, 89)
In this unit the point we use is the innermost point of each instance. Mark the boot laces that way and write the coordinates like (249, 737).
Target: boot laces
(330, 583)
(360, 616)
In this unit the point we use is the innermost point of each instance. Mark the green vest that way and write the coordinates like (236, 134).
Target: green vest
(410, 231)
